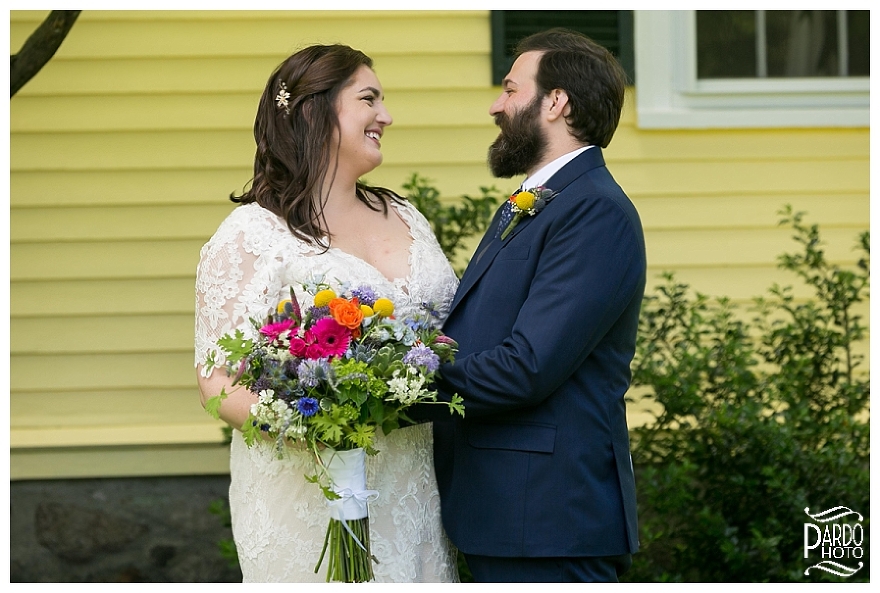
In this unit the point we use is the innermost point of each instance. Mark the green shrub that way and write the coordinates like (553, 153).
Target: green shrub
(453, 224)
(755, 423)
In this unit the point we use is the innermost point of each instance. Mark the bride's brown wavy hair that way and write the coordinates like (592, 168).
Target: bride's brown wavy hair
(292, 159)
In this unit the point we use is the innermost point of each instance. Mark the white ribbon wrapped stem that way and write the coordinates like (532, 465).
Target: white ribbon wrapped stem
(348, 479)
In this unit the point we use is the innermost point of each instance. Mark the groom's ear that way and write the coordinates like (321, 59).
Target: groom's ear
(559, 107)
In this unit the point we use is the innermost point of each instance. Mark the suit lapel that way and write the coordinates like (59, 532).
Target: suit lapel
(485, 253)
(490, 246)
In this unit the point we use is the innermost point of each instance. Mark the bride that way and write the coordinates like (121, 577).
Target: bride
(318, 130)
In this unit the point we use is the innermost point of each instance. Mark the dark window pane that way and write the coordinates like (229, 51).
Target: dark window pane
(802, 43)
(859, 46)
(609, 28)
(726, 44)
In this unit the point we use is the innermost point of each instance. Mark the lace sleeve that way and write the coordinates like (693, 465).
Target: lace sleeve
(234, 281)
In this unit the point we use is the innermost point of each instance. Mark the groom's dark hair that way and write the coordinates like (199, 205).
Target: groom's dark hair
(588, 73)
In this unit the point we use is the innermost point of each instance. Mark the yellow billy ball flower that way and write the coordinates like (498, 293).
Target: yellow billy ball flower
(323, 298)
(281, 305)
(383, 307)
(367, 311)
(524, 200)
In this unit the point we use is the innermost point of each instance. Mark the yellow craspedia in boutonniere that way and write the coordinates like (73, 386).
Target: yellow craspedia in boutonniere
(527, 202)
(524, 200)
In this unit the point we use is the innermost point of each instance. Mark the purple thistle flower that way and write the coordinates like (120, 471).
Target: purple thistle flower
(261, 384)
(422, 356)
(317, 313)
(307, 406)
(290, 368)
(365, 295)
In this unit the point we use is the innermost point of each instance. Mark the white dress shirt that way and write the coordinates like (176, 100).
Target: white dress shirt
(543, 175)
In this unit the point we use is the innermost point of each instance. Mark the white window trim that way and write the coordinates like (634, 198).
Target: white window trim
(668, 94)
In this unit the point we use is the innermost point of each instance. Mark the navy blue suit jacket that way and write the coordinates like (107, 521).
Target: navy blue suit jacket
(546, 323)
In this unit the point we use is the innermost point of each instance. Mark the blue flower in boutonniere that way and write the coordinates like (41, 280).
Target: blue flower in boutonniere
(527, 202)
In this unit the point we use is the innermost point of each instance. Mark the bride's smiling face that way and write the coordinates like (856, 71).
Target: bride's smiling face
(362, 116)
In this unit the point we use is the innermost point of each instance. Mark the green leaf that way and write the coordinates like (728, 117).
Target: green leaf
(329, 494)
(362, 436)
(236, 346)
(456, 405)
(212, 405)
(250, 431)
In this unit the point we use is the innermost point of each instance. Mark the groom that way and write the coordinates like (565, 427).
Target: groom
(536, 482)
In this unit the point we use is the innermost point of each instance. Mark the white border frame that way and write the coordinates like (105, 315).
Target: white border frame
(669, 95)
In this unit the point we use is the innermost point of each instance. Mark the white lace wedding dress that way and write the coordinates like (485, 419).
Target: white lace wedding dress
(278, 519)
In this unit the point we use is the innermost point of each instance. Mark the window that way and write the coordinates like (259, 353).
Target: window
(782, 43)
(613, 29)
(716, 69)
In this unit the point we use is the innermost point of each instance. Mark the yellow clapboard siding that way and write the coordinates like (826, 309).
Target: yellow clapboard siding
(220, 75)
(100, 334)
(740, 283)
(50, 189)
(746, 177)
(630, 143)
(118, 461)
(217, 148)
(133, 259)
(169, 369)
(419, 147)
(271, 33)
(141, 150)
(191, 221)
(116, 223)
(725, 247)
(229, 111)
(115, 436)
(719, 211)
(36, 16)
(102, 297)
(132, 407)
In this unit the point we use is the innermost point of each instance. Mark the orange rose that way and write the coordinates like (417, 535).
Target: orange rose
(346, 313)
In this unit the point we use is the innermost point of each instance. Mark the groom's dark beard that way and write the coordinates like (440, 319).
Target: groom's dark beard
(520, 145)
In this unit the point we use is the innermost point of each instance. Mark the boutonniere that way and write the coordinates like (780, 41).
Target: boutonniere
(527, 202)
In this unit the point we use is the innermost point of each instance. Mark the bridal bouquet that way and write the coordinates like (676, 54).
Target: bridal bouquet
(327, 379)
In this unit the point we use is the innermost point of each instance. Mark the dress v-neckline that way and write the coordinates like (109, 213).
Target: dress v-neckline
(402, 281)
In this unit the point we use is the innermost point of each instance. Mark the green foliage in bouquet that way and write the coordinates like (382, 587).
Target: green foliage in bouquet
(756, 422)
(453, 225)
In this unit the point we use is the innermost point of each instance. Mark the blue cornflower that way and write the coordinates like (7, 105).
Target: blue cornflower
(312, 372)
(365, 295)
(422, 356)
(307, 406)
(430, 308)
(418, 324)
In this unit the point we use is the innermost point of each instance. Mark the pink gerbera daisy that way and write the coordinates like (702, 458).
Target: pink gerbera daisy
(273, 330)
(332, 338)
